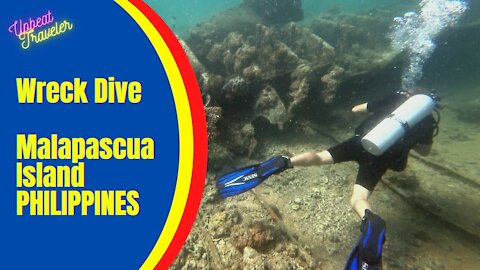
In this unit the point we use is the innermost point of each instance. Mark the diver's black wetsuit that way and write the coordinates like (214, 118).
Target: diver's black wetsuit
(371, 167)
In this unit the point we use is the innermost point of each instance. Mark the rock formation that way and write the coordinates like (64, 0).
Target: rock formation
(252, 64)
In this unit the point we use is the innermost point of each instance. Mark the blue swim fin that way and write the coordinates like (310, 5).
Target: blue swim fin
(353, 260)
(367, 253)
(246, 178)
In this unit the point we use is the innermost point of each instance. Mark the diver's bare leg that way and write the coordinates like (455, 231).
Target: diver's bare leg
(359, 200)
(312, 159)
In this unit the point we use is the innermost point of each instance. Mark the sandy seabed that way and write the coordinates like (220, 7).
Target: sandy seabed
(301, 219)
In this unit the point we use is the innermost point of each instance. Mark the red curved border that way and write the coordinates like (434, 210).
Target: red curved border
(199, 134)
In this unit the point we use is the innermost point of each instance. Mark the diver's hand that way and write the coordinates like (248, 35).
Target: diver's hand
(360, 108)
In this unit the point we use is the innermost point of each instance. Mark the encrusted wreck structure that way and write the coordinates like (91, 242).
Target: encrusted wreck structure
(255, 62)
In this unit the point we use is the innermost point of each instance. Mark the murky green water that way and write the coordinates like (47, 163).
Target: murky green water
(366, 47)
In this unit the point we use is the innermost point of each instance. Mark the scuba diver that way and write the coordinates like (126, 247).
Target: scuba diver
(398, 123)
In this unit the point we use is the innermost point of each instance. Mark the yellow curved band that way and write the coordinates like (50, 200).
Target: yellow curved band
(185, 131)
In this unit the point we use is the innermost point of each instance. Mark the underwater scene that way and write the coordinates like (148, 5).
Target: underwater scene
(342, 134)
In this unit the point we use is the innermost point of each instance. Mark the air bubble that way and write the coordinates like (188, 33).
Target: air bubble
(414, 33)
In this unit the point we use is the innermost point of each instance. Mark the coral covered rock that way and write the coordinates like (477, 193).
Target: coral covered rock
(360, 40)
(332, 81)
(300, 86)
(257, 236)
(258, 63)
(252, 260)
(218, 154)
(213, 115)
(270, 106)
(307, 45)
(236, 88)
(240, 138)
(196, 65)
(210, 82)
(223, 222)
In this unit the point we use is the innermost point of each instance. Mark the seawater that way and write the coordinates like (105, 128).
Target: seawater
(414, 33)
(182, 15)
(440, 41)
(417, 29)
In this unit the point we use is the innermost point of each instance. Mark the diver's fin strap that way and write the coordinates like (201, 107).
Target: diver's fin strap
(275, 165)
(372, 239)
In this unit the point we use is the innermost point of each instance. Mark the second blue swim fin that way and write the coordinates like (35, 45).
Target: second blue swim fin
(246, 178)
(367, 253)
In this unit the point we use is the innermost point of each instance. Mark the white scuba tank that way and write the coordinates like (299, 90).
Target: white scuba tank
(392, 128)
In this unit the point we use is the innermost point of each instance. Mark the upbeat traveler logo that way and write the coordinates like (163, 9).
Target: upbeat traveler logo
(25, 30)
